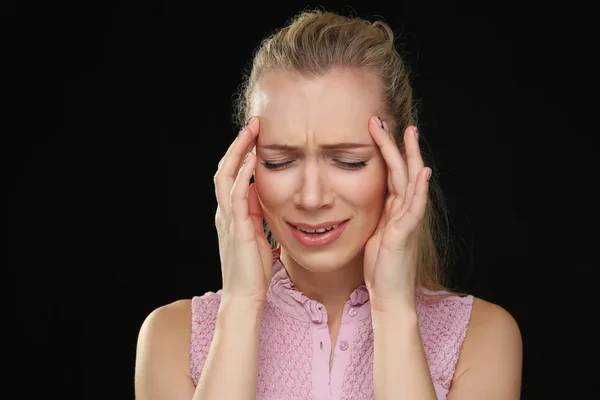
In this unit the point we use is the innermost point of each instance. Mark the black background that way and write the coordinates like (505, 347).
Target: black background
(123, 110)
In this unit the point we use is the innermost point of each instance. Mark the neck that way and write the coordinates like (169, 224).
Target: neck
(330, 288)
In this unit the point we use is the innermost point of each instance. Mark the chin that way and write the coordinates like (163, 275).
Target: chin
(326, 259)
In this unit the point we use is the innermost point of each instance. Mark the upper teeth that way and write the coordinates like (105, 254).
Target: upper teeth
(318, 230)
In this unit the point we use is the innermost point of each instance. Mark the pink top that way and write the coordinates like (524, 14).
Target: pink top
(295, 344)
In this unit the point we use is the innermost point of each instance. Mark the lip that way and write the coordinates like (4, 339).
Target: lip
(318, 240)
(318, 226)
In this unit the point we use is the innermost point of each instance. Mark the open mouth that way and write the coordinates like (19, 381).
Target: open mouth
(319, 231)
(319, 235)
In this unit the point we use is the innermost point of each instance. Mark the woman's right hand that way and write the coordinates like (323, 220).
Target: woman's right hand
(245, 253)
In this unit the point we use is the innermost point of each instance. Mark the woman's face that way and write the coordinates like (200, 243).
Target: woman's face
(318, 167)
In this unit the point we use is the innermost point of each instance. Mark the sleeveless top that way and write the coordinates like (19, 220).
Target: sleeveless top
(295, 343)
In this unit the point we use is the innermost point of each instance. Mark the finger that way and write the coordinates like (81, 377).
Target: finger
(239, 191)
(253, 125)
(216, 177)
(231, 162)
(410, 220)
(414, 160)
(228, 151)
(389, 175)
(389, 204)
(231, 146)
(396, 165)
(255, 210)
(383, 219)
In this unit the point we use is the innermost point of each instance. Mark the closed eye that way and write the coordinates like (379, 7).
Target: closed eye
(351, 165)
(342, 164)
(275, 166)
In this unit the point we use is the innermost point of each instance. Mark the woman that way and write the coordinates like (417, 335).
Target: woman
(346, 302)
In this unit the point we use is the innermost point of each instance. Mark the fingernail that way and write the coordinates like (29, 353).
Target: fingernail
(380, 123)
(428, 174)
(417, 133)
(250, 120)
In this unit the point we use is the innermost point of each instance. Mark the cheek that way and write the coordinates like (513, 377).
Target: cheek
(366, 191)
(272, 189)
(264, 188)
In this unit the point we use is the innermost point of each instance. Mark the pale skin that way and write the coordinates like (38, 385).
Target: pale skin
(377, 248)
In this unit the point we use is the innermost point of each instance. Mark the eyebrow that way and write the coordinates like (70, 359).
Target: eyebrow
(333, 146)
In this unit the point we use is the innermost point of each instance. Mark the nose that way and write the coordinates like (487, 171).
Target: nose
(314, 191)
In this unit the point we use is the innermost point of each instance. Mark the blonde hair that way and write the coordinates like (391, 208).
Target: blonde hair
(315, 42)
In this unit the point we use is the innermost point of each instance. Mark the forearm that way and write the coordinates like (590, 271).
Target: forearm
(231, 367)
(400, 368)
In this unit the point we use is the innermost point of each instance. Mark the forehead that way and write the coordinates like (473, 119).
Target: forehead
(338, 103)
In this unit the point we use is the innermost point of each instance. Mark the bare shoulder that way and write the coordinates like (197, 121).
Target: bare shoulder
(490, 361)
(165, 323)
(173, 316)
(162, 354)
(491, 322)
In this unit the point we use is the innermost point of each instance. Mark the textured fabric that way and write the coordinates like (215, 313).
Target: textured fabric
(295, 344)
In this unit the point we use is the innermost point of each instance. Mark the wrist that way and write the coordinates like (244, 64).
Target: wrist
(240, 311)
(401, 304)
(395, 320)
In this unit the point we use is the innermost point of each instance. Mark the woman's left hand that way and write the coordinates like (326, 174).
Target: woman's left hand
(391, 253)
